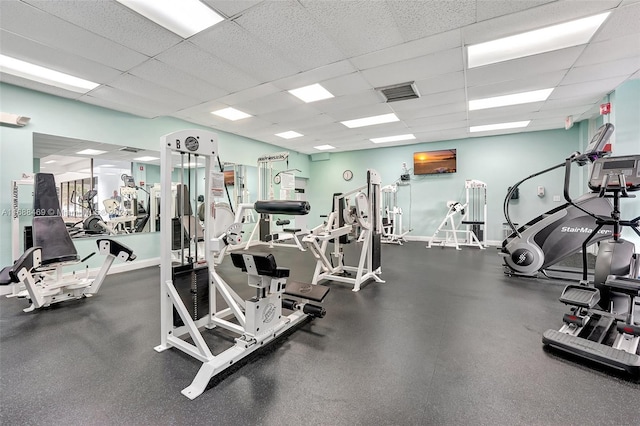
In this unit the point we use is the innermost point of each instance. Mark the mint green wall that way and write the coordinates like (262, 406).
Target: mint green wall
(625, 103)
(499, 161)
(63, 117)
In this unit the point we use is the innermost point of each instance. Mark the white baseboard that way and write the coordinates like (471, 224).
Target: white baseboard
(422, 238)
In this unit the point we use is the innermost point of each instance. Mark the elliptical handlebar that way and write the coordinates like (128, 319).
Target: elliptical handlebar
(594, 151)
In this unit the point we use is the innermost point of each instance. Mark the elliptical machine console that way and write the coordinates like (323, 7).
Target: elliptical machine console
(558, 233)
(604, 322)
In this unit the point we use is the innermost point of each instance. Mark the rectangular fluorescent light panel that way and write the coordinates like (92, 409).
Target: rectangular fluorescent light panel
(146, 158)
(44, 75)
(546, 39)
(91, 152)
(499, 126)
(514, 99)
(312, 93)
(324, 147)
(289, 135)
(370, 121)
(231, 114)
(393, 138)
(184, 17)
(50, 162)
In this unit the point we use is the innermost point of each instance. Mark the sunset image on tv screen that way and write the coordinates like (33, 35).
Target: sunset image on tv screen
(434, 162)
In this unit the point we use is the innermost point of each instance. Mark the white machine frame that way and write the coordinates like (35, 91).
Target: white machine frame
(49, 285)
(393, 232)
(476, 192)
(257, 321)
(367, 215)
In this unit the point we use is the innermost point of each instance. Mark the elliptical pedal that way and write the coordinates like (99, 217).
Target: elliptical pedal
(581, 296)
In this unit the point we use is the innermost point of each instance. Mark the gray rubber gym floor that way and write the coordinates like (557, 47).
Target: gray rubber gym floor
(447, 340)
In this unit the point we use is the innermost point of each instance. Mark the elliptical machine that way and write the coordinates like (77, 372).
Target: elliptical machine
(558, 233)
(93, 224)
(604, 321)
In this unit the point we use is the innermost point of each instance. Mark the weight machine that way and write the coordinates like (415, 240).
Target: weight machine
(190, 289)
(472, 223)
(393, 232)
(37, 275)
(264, 232)
(341, 221)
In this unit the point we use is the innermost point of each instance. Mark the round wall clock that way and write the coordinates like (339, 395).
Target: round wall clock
(347, 175)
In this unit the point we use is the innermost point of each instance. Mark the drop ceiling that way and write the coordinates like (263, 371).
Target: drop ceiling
(265, 48)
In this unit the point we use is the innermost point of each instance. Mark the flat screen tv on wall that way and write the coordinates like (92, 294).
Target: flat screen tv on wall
(434, 162)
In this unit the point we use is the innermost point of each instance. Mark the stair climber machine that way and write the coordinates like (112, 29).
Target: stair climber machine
(195, 299)
(558, 233)
(603, 324)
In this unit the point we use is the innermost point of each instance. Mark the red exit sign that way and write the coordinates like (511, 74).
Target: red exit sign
(605, 108)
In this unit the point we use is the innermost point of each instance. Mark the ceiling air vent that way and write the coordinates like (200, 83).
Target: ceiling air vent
(399, 92)
(130, 149)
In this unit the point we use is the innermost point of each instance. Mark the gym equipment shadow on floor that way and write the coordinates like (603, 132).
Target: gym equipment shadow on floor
(447, 340)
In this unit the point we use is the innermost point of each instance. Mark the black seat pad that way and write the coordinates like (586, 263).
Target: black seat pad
(50, 233)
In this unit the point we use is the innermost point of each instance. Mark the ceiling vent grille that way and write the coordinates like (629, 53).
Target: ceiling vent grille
(130, 149)
(399, 92)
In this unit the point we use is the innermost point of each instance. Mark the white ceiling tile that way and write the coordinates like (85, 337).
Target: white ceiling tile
(347, 102)
(488, 9)
(531, 19)
(440, 83)
(536, 82)
(287, 26)
(25, 20)
(547, 113)
(417, 19)
(347, 84)
(317, 123)
(521, 68)
(231, 8)
(114, 22)
(349, 24)
(119, 106)
(136, 85)
(598, 87)
(438, 126)
(412, 49)
(415, 69)
(446, 121)
(316, 75)
(175, 79)
(361, 112)
(621, 67)
(203, 110)
(568, 102)
(299, 112)
(443, 135)
(620, 23)
(257, 59)
(269, 103)
(196, 62)
(610, 50)
(427, 107)
(250, 93)
(131, 101)
(21, 48)
(504, 114)
(545, 124)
